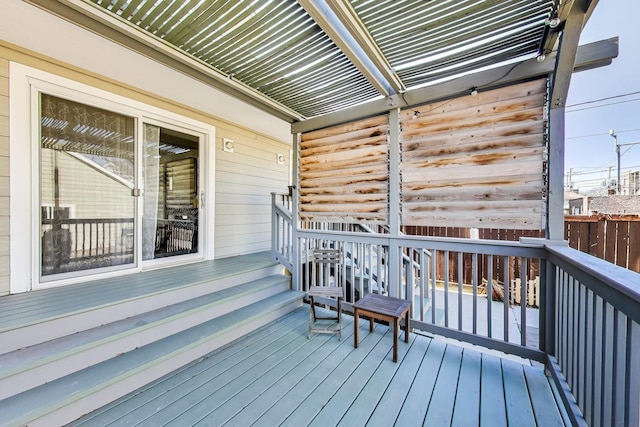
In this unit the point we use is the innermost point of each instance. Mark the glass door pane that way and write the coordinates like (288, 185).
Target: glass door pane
(170, 205)
(86, 180)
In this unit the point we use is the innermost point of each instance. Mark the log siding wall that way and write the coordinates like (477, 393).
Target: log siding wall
(476, 161)
(344, 173)
(466, 162)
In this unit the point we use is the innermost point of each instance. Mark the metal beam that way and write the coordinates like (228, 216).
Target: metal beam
(563, 14)
(567, 51)
(348, 16)
(119, 31)
(564, 65)
(341, 29)
(394, 172)
(555, 170)
(588, 56)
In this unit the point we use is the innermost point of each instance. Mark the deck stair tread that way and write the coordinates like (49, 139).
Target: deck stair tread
(54, 313)
(44, 304)
(31, 404)
(27, 359)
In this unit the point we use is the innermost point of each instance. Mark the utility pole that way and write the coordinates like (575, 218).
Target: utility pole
(617, 147)
(615, 138)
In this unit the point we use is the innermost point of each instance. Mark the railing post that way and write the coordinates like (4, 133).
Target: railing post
(274, 227)
(395, 259)
(548, 309)
(296, 257)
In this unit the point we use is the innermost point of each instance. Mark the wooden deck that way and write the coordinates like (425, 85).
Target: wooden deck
(276, 376)
(34, 307)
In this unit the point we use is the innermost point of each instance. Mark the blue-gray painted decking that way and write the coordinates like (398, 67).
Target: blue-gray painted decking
(276, 376)
(37, 306)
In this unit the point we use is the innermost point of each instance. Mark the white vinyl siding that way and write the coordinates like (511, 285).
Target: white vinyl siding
(4, 176)
(82, 182)
(245, 180)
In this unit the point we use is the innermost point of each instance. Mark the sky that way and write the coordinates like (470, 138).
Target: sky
(589, 149)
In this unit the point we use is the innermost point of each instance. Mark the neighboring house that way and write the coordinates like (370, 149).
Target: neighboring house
(576, 204)
(630, 183)
(613, 205)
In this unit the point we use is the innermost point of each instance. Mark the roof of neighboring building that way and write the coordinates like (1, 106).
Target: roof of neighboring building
(615, 205)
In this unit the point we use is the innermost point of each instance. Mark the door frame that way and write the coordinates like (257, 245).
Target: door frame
(25, 84)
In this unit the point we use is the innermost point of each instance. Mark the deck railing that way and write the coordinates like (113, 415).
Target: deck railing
(88, 237)
(594, 340)
(585, 331)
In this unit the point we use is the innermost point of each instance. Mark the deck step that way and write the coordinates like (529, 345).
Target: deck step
(34, 317)
(66, 398)
(30, 367)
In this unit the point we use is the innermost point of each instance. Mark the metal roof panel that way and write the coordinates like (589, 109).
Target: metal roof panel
(277, 49)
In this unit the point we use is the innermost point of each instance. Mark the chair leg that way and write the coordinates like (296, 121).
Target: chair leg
(313, 309)
(340, 318)
(312, 316)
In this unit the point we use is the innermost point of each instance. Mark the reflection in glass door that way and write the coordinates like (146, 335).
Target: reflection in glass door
(170, 193)
(87, 206)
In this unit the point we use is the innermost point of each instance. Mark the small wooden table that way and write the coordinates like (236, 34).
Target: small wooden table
(383, 308)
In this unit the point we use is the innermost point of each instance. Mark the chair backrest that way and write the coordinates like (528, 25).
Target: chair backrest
(327, 265)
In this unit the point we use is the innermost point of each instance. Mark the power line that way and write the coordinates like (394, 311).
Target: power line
(600, 170)
(603, 99)
(603, 105)
(600, 134)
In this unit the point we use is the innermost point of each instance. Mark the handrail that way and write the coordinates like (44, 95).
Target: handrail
(453, 244)
(620, 287)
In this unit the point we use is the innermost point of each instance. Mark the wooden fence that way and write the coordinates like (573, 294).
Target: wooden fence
(615, 238)
(498, 263)
(609, 237)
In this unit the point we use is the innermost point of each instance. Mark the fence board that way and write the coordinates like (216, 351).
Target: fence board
(610, 242)
(583, 233)
(634, 246)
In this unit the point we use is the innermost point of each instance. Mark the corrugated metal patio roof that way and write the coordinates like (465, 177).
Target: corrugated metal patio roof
(317, 57)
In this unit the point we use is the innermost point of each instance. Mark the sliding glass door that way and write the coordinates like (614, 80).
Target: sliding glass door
(170, 193)
(115, 190)
(87, 205)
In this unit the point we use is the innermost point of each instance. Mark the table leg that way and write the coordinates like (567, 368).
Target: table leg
(406, 328)
(356, 324)
(396, 326)
(370, 323)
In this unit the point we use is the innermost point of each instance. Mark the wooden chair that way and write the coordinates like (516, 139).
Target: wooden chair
(324, 261)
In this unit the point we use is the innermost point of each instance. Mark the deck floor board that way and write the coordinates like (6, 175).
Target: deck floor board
(517, 399)
(320, 360)
(415, 405)
(276, 376)
(492, 405)
(137, 407)
(468, 391)
(387, 408)
(440, 409)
